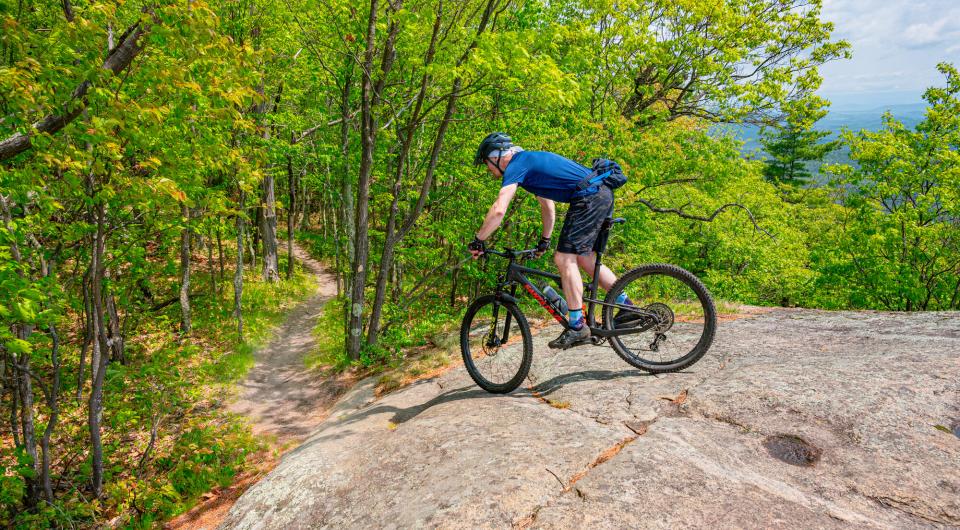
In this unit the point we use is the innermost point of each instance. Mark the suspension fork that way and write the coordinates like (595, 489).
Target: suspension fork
(506, 321)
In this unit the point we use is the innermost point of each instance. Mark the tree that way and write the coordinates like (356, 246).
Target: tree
(900, 245)
(793, 145)
(731, 61)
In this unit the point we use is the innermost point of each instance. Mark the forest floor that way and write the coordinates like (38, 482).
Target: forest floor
(284, 401)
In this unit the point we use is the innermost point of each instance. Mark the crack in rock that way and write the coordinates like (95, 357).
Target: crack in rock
(914, 508)
(527, 521)
(604, 456)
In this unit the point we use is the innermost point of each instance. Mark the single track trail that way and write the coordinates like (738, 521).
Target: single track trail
(279, 395)
(283, 400)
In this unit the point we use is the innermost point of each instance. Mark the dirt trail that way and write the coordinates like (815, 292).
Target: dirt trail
(279, 396)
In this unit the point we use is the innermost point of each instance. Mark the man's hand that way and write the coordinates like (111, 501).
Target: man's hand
(543, 246)
(477, 247)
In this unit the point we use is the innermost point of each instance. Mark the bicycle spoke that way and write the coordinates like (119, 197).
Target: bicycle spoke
(672, 318)
(494, 359)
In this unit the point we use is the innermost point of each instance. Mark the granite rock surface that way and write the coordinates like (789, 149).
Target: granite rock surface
(794, 418)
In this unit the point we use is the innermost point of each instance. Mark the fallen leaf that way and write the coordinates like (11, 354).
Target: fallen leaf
(681, 397)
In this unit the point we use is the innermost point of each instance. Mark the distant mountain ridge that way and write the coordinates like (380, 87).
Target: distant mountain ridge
(910, 114)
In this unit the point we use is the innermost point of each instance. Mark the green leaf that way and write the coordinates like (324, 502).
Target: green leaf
(19, 346)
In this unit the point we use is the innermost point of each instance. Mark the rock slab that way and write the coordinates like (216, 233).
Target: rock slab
(870, 397)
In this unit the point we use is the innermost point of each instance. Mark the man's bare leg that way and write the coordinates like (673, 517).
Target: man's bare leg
(570, 278)
(587, 263)
(572, 284)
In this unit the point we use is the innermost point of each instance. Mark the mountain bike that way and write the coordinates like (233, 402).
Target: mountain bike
(668, 327)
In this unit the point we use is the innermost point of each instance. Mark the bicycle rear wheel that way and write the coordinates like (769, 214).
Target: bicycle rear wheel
(673, 313)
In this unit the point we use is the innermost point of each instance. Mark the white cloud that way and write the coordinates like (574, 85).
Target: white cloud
(926, 34)
(896, 44)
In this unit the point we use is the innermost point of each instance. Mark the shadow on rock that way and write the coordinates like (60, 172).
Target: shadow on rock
(404, 414)
(545, 388)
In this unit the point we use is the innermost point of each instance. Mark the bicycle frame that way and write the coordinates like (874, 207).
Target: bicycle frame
(517, 275)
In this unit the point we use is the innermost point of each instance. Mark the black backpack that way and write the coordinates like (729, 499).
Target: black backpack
(606, 171)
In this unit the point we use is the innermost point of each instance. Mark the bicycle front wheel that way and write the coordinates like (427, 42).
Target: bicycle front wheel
(496, 344)
(672, 315)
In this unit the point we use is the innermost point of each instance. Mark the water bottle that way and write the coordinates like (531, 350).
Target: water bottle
(555, 299)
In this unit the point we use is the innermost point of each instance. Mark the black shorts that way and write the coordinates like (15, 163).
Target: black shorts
(583, 220)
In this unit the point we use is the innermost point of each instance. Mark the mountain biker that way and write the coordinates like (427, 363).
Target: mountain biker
(552, 178)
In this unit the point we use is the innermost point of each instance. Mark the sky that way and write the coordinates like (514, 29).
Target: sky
(896, 46)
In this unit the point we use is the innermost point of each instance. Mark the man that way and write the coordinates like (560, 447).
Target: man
(551, 178)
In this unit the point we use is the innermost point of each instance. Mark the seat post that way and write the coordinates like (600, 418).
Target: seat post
(598, 248)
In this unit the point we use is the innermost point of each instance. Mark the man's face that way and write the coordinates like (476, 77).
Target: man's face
(493, 169)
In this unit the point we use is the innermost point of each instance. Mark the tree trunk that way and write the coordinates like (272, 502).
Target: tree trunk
(185, 272)
(21, 366)
(268, 230)
(256, 230)
(115, 334)
(88, 337)
(251, 242)
(117, 60)
(26, 421)
(291, 210)
(210, 266)
(368, 131)
(391, 239)
(14, 399)
(220, 251)
(346, 190)
(100, 353)
(53, 403)
(238, 273)
(453, 288)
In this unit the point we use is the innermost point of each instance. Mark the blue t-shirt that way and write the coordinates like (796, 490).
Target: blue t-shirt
(547, 175)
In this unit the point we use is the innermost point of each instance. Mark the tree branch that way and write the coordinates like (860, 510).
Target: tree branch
(67, 10)
(709, 218)
(117, 60)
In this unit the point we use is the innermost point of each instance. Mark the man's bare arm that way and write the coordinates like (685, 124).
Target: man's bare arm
(548, 211)
(497, 211)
